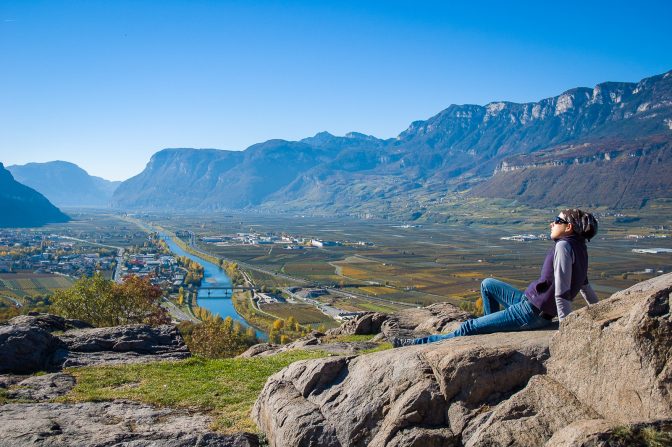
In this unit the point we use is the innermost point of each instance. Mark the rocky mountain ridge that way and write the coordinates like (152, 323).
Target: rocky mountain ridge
(22, 206)
(461, 147)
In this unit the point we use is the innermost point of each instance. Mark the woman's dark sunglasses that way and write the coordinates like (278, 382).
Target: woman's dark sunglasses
(560, 220)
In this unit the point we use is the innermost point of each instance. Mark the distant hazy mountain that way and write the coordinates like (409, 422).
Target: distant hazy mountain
(212, 179)
(609, 145)
(65, 184)
(21, 206)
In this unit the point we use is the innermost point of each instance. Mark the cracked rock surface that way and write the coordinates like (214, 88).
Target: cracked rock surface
(414, 396)
(119, 423)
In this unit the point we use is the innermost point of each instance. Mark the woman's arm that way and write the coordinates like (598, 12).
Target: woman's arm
(563, 258)
(588, 293)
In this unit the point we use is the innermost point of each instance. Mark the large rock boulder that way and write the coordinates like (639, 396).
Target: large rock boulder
(609, 367)
(121, 344)
(416, 396)
(530, 417)
(609, 377)
(365, 324)
(616, 355)
(48, 322)
(422, 321)
(119, 423)
(27, 344)
(27, 349)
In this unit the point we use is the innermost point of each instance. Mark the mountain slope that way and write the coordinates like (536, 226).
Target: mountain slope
(21, 206)
(65, 184)
(481, 148)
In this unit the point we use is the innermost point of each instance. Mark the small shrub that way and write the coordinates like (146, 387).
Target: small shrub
(640, 437)
(217, 338)
(475, 307)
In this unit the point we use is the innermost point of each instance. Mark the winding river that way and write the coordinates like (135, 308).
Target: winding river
(215, 291)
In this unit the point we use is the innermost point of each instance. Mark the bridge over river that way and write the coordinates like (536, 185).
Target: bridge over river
(215, 291)
(219, 291)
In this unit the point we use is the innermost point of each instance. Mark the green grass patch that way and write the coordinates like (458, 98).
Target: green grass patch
(3, 397)
(644, 437)
(226, 388)
(381, 347)
(351, 338)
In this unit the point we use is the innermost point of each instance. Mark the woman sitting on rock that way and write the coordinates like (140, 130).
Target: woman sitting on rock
(563, 275)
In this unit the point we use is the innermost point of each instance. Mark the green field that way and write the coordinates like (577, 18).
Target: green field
(103, 227)
(31, 284)
(436, 261)
(303, 313)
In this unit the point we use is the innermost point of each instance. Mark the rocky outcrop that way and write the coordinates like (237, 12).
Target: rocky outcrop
(38, 388)
(26, 349)
(367, 323)
(617, 355)
(414, 322)
(422, 321)
(120, 423)
(422, 394)
(315, 341)
(607, 367)
(27, 344)
(48, 322)
(121, 344)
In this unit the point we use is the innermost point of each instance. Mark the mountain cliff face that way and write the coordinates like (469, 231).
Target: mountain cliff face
(615, 130)
(65, 184)
(21, 206)
(210, 179)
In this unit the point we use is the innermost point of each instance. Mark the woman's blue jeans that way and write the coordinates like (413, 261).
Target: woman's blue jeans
(518, 314)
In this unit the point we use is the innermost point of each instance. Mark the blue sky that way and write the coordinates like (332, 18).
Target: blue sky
(105, 84)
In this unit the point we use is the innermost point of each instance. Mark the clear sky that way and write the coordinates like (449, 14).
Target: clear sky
(105, 84)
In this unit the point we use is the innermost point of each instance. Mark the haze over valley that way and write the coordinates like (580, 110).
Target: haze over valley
(336, 224)
(609, 146)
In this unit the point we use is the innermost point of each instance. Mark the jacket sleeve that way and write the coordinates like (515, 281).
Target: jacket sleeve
(563, 258)
(588, 293)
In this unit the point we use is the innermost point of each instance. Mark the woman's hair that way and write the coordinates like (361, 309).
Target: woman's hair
(584, 224)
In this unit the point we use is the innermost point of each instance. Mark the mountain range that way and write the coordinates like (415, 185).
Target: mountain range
(65, 184)
(23, 206)
(609, 145)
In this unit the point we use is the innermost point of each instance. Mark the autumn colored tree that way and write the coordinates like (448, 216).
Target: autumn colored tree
(250, 332)
(217, 338)
(102, 302)
(291, 323)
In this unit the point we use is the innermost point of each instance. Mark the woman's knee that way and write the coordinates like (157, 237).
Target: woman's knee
(487, 284)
